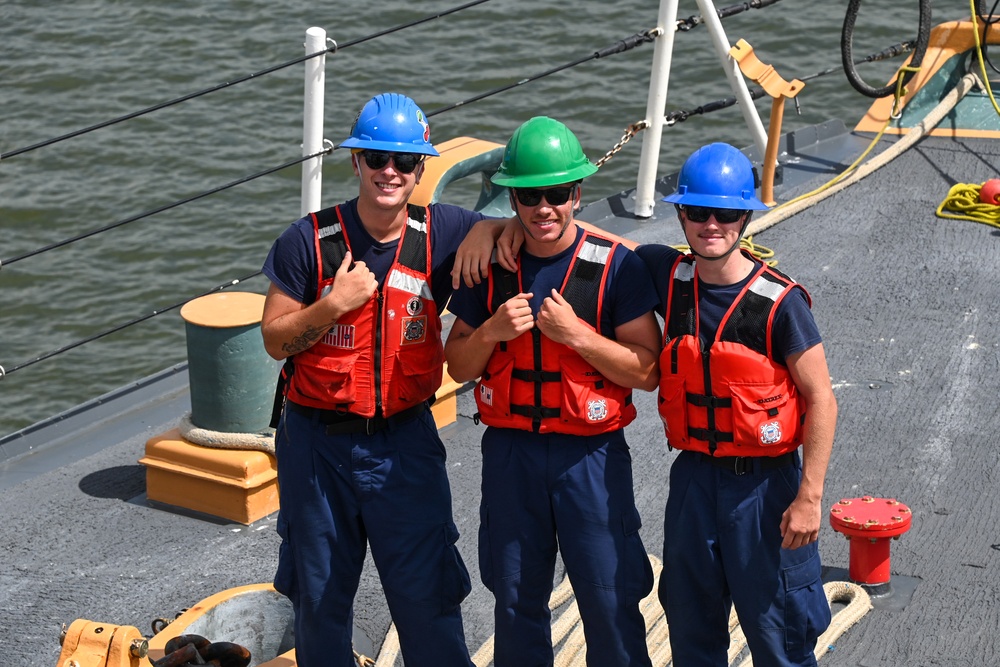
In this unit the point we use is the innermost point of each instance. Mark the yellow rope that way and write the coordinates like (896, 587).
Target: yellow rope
(962, 203)
(746, 243)
(979, 53)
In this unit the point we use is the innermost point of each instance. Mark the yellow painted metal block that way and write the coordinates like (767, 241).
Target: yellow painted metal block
(236, 484)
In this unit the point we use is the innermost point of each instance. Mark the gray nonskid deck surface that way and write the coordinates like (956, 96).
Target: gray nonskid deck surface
(906, 303)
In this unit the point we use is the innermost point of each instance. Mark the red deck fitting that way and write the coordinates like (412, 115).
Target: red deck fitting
(869, 523)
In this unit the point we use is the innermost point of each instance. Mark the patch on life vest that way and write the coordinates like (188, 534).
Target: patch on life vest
(414, 330)
(340, 335)
(597, 410)
(486, 394)
(770, 433)
(414, 306)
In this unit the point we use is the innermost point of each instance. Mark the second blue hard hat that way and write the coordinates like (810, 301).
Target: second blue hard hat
(717, 175)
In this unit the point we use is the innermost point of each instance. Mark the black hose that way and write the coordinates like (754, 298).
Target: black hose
(847, 58)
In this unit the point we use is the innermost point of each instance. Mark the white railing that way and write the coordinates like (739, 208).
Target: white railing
(645, 192)
(312, 121)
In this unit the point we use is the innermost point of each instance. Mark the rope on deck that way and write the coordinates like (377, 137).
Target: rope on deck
(567, 629)
(917, 132)
(263, 441)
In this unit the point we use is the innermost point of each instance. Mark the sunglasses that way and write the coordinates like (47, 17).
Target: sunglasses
(554, 196)
(405, 163)
(722, 215)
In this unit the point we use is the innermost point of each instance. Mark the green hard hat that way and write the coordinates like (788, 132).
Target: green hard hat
(540, 153)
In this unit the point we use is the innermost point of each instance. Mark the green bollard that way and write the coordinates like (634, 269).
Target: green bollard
(232, 378)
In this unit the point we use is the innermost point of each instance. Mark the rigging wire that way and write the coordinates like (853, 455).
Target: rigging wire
(227, 84)
(161, 209)
(119, 327)
(620, 46)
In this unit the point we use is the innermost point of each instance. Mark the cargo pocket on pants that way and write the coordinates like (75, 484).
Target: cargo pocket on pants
(456, 584)
(639, 572)
(807, 612)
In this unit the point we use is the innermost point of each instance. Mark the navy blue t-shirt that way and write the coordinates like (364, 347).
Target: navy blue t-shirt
(795, 327)
(291, 263)
(628, 292)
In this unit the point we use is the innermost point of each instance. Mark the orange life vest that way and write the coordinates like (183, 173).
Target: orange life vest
(386, 355)
(532, 383)
(731, 398)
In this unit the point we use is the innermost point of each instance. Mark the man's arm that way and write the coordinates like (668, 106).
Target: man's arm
(289, 326)
(472, 259)
(630, 361)
(801, 521)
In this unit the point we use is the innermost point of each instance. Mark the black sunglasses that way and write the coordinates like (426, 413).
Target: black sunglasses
(554, 196)
(405, 162)
(723, 215)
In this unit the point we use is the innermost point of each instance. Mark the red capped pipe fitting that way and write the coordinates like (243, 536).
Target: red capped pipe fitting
(869, 523)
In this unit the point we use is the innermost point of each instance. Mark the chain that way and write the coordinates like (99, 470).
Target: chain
(630, 132)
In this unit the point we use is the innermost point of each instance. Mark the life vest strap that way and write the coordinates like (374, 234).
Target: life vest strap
(709, 436)
(703, 401)
(534, 412)
(529, 375)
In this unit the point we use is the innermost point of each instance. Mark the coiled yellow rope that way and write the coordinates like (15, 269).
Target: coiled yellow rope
(962, 203)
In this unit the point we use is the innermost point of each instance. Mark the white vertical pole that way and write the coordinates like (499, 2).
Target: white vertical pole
(736, 80)
(656, 105)
(312, 121)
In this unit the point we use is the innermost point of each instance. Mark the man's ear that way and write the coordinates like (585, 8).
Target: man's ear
(355, 165)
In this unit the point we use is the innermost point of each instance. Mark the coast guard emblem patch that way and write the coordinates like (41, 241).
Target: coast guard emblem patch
(486, 394)
(414, 330)
(770, 433)
(597, 410)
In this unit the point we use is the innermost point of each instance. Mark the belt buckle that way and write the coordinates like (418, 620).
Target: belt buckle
(740, 465)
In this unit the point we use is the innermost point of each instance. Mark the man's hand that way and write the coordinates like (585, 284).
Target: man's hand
(557, 319)
(352, 286)
(512, 319)
(509, 244)
(800, 523)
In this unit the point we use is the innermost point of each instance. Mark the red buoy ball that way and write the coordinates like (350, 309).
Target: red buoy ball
(990, 192)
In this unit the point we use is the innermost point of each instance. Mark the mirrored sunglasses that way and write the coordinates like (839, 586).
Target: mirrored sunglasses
(554, 196)
(404, 163)
(722, 215)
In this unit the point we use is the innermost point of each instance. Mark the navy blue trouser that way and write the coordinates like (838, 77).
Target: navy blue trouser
(722, 547)
(339, 494)
(547, 492)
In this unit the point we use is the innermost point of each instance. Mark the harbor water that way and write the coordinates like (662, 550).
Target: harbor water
(67, 66)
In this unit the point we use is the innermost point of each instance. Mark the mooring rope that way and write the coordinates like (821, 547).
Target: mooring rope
(567, 629)
(263, 441)
(790, 208)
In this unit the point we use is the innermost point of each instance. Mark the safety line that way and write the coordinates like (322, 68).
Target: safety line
(143, 318)
(161, 209)
(227, 84)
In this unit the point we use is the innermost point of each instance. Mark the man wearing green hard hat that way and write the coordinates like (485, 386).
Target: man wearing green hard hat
(558, 345)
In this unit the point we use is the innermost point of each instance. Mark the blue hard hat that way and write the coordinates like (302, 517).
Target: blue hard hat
(391, 122)
(717, 175)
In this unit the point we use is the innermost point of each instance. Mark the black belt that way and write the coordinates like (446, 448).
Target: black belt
(741, 465)
(338, 423)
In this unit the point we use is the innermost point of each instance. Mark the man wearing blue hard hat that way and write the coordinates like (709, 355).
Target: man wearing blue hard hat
(354, 309)
(744, 387)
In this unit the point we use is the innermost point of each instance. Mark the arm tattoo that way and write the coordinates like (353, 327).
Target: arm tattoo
(306, 339)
